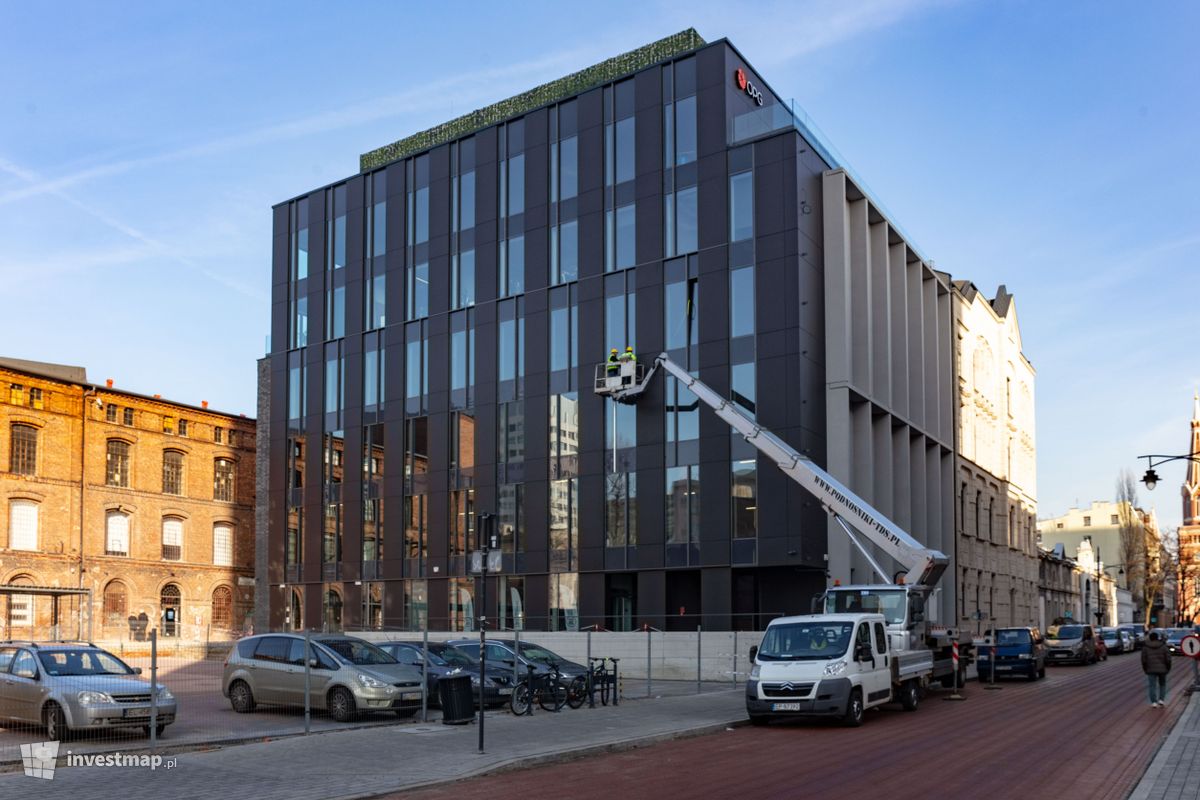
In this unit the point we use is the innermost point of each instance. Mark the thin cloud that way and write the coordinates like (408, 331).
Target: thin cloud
(351, 116)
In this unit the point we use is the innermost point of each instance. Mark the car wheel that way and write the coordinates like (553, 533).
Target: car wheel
(854, 710)
(341, 705)
(56, 723)
(158, 730)
(759, 720)
(241, 698)
(910, 695)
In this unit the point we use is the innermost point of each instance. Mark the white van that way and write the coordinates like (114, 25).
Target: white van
(830, 665)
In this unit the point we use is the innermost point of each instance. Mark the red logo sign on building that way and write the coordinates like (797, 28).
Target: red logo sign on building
(744, 84)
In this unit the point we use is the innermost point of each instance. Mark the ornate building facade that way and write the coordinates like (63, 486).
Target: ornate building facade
(997, 559)
(145, 503)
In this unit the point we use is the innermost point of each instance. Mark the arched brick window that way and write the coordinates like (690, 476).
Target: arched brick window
(116, 604)
(222, 608)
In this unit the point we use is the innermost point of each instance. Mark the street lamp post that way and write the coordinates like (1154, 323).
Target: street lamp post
(1151, 478)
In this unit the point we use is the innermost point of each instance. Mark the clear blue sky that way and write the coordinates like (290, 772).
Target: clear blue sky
(1047, 146)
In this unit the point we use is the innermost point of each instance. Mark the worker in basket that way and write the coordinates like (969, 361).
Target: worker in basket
(628, 356)
(614, 363)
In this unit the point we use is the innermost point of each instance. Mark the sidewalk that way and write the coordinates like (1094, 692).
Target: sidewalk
(1175, 771)
(372, 761)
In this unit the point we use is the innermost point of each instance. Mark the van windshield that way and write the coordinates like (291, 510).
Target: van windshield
(801, 641)
(1065, 632)
(1012, 637)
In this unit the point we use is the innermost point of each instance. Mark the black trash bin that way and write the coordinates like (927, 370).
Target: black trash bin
(457, 699)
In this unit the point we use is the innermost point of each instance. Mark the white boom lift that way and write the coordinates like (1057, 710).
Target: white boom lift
(923, 651)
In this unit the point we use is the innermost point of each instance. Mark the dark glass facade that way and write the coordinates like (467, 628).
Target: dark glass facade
(436, 323)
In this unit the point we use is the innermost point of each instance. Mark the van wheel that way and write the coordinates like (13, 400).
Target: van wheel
(910, 695)
(854, 710)
(241, 698)
(341, 705)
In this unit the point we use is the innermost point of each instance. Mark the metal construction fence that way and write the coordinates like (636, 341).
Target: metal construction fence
(98, 695)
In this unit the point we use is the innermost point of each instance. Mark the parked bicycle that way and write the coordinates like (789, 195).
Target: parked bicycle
(548, 690)
(603, 682)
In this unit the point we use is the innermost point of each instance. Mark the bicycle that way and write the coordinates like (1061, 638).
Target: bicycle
(548, 689)
(600, 679)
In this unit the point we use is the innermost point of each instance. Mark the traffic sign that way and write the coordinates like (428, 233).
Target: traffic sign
(1190, 646)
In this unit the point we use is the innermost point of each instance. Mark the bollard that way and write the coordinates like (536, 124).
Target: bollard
(954, 653)
(153, 690)
(699, 658)
(992, 681)
(531, 693)
(516, 654)
(616, 683)
(308, 654)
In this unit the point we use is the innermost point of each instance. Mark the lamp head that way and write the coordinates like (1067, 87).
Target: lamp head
(1150, 479)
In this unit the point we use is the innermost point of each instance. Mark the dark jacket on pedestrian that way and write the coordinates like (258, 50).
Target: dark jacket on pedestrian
(1156, 658)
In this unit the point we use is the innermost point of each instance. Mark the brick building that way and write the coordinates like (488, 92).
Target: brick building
(145, 502)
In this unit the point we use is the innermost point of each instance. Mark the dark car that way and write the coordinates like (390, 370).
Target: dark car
(1174, 636)
(1072, 642)
(1019, 651)
(501, 653)
(446, 660)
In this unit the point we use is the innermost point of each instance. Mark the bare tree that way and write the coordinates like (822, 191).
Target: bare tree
(1161, 568)
(1133, 538)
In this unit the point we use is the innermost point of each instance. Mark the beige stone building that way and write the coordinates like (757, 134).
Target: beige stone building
(144, 503)
(996, 556)
(1100, 524)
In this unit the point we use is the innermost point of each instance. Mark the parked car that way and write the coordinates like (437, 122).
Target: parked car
(1071, 642)
(72, 687)
(446, 660)
(501, 653)
(1137, 632)
(346, 676)
(1116, 641)
(1174, 636)
(1019, 651)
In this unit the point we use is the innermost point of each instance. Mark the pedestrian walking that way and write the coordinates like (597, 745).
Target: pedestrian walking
(1156, 663)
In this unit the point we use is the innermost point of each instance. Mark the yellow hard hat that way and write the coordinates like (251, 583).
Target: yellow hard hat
(614, 349)
(630, 349)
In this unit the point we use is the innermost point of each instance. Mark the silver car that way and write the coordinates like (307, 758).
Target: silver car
(76, 687)
(346, 676)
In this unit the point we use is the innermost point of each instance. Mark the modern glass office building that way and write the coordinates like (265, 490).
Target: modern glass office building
(436, 320)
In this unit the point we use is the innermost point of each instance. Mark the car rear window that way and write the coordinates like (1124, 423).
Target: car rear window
(246, 647)
(1012, 637)
(273, 648)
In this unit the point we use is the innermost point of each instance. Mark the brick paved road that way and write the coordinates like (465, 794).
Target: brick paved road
(1083, 732)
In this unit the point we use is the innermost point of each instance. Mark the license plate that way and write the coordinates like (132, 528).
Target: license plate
(504, 692)
(785, 706)
(1003, 666)
(410, 696)
(137, 712)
